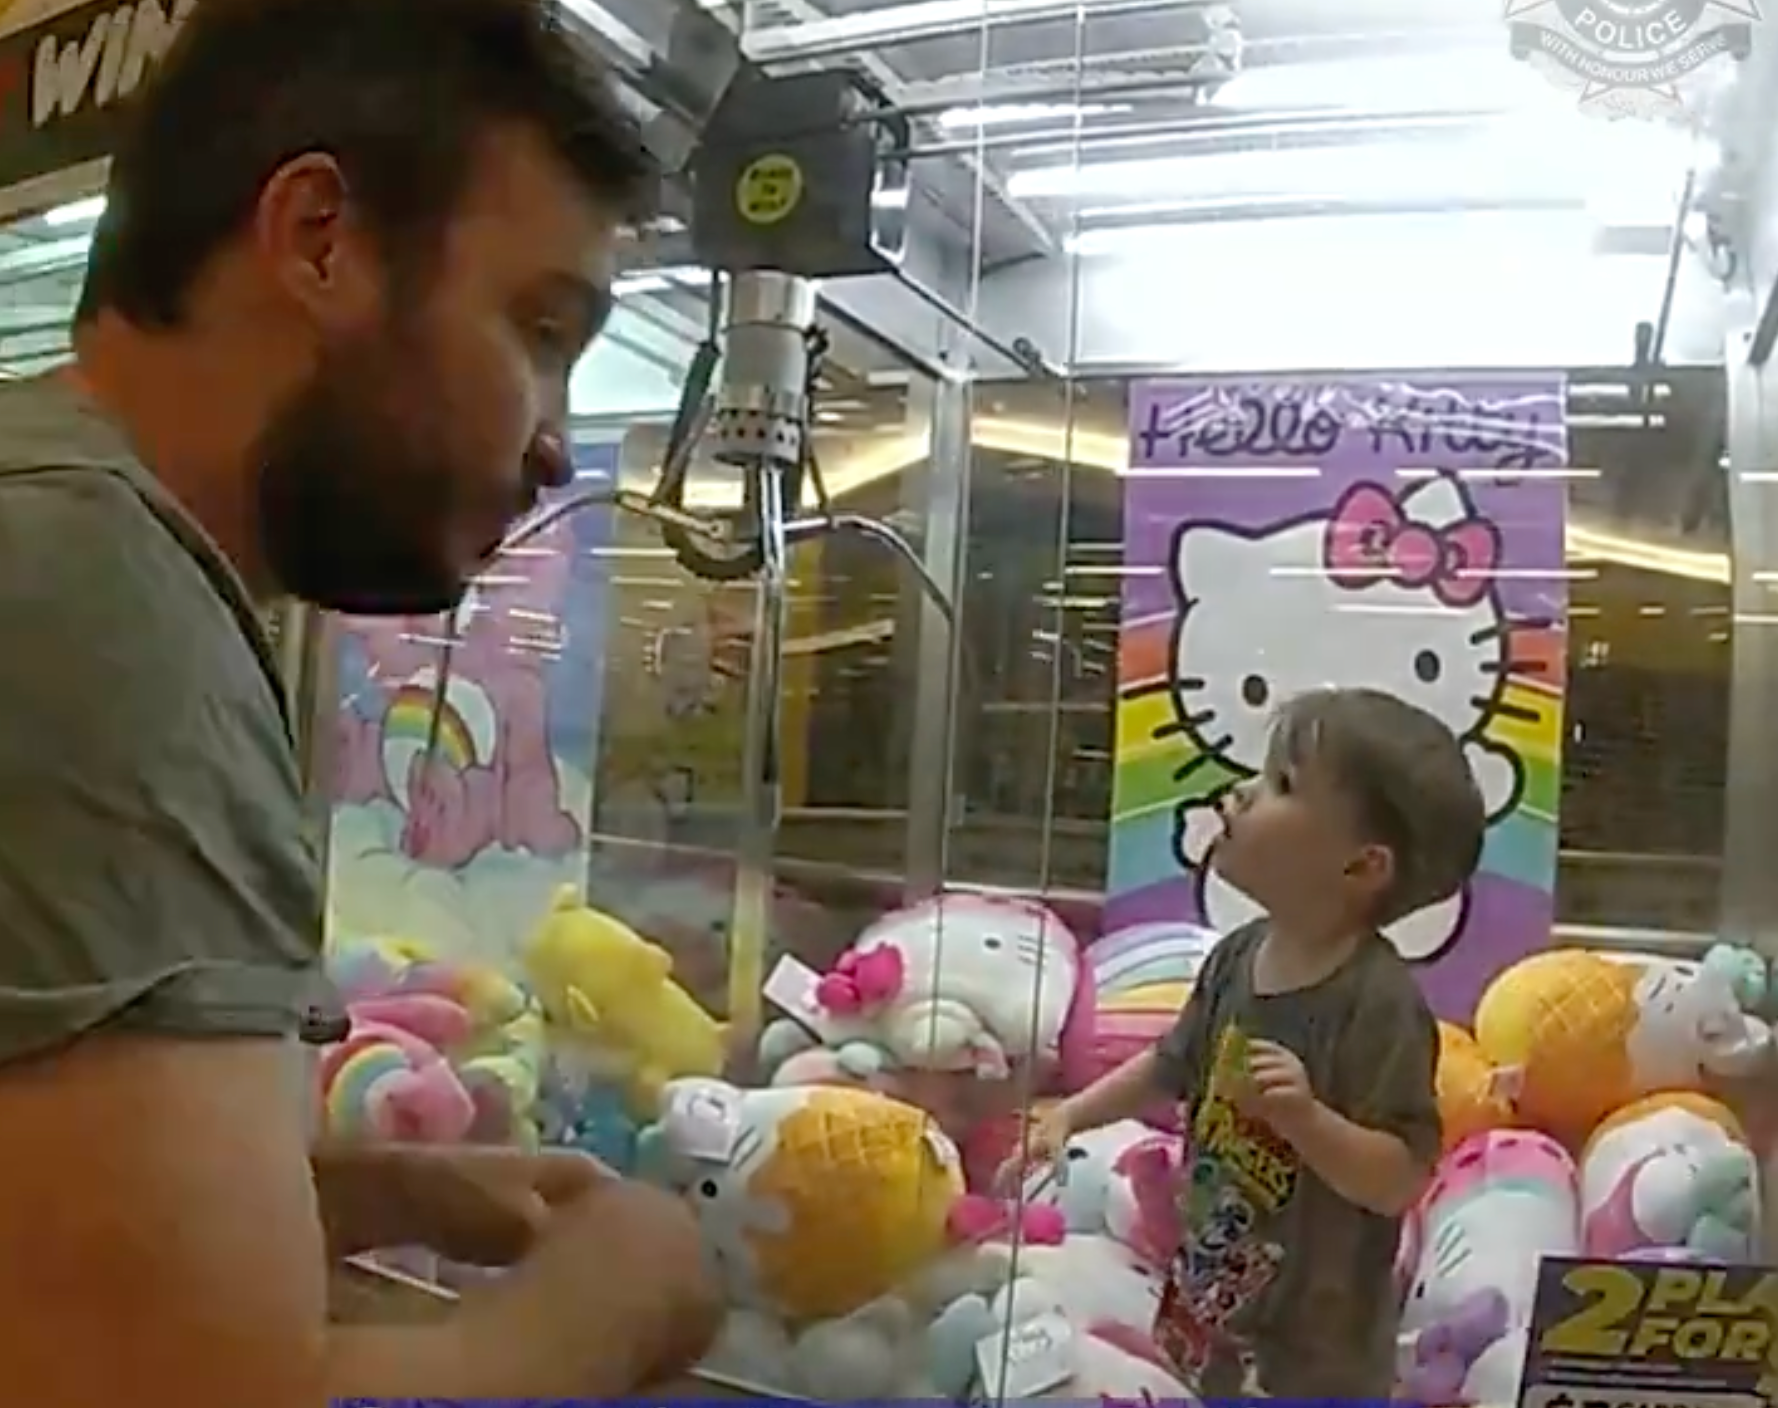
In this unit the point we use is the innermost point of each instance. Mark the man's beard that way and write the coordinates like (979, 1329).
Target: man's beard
(355, 498)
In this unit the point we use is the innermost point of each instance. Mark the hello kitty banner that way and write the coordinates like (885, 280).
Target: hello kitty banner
(1288, 533)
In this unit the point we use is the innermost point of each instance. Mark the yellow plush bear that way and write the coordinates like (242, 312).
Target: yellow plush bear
(601, 983)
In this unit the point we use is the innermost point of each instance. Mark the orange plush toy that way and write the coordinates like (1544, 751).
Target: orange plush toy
(1470, 1097)
(1556, 1026)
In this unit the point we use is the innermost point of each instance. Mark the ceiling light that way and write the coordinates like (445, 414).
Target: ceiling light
(1452, 80)
(1005, 114)
(78, 212)
(658, 280)
(632, 284)
(1636, 167)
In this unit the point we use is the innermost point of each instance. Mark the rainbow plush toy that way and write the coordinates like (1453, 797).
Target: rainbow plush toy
(439, 1052)
(383, 1082)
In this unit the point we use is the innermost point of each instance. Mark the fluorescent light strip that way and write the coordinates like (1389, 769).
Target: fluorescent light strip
(1011, 113)
(77, 212)
(884, 457)
(1511, 160)
(658, 280)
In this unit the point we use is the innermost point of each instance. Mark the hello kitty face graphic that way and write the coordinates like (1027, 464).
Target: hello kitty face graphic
(1389, 592)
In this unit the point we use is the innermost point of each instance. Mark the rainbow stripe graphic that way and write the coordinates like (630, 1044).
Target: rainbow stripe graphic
(1512, 894)
(409, 721)
(1149, 755)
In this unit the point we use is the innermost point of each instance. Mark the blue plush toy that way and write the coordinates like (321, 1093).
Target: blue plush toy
(587, 1115)
(1748, 974)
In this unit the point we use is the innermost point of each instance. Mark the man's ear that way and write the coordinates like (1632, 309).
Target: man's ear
(309, 242)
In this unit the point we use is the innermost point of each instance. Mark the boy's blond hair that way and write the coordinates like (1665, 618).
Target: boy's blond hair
(1407, 779)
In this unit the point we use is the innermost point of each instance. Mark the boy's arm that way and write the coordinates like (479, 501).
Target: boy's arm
(1379, 1153)
(1178, 1057)
(1171, 1069)
(1120, 1094)
(1372, 1168)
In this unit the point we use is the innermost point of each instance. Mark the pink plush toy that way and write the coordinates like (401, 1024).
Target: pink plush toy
(975, 1218)
(1153, 1168)
(469, 1016)
(861, 981)
(386, 1083)
(437, 1021)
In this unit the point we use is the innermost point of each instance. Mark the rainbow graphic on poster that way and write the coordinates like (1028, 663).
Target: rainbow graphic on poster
(1286, 534)
(459, 811)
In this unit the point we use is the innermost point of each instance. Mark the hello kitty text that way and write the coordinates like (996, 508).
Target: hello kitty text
(1266, 422)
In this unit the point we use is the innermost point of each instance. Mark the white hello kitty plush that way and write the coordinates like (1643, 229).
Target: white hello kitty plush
(1253, 632)
(963, 982)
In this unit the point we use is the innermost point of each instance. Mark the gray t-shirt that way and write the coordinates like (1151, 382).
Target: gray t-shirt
(1283, 1287)
(157, 871)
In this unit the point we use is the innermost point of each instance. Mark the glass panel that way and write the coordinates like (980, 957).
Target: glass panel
(1200, 191)
(581, 742)
(42, 259)
(1647, 652)
(1142, 193)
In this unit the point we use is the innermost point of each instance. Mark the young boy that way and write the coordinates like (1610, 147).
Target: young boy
(1305, 1058)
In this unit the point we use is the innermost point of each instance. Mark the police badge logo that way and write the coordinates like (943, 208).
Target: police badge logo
(1630, 57)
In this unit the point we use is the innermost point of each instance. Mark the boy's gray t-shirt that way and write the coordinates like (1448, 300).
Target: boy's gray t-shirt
(157, 871)
(1283, 1287)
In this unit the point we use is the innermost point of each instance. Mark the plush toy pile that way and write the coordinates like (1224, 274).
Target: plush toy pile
(860, 1266)
(1590, 1110)
(438, 1052)
(935, 1024)
(1588, 1113)
(864, 1255)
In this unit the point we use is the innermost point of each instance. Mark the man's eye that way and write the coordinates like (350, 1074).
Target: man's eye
(553, 340)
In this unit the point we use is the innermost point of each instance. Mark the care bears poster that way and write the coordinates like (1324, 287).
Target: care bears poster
(458, 832)
(1289, 533)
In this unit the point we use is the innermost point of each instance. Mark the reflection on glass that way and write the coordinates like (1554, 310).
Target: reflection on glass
(600, 666)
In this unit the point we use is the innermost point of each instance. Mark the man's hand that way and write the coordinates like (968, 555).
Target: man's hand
(1277, 1088)
(477, 1205)
(618, 1288)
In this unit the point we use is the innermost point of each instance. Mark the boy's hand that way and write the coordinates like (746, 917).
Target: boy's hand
(1277, 1089)
(1043, 1141)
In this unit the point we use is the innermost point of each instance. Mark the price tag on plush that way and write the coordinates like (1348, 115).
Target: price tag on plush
(702, 1119)
(1027, 1359)
(790, 987)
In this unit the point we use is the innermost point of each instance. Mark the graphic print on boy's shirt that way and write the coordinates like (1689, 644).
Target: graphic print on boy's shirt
(1242, 1177)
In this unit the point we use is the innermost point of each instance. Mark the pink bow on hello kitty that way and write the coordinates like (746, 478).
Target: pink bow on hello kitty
(1370, 539)
(861, 980)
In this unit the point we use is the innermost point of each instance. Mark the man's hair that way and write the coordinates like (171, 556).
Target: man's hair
(399, 92)
(1406, 778)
